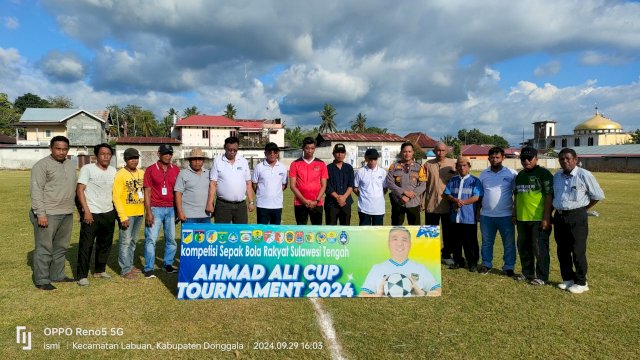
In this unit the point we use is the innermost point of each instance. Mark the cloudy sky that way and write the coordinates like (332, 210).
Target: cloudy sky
(434, 66)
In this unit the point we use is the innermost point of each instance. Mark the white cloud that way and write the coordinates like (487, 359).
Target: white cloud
(11, 23)
(598, 58)
(63, 67)
(549, 69)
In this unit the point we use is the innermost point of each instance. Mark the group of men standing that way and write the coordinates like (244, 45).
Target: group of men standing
(443, 188)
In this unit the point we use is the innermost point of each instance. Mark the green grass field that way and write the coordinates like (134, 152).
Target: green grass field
(476, 317)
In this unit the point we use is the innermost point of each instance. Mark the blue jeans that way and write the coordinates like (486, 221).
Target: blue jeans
(127, 243)
(489, 226)
(165, 217)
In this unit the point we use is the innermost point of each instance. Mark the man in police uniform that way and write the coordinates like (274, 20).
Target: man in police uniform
(406, 181)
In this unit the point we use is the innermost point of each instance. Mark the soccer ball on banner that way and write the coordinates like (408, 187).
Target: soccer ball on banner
(397, 285)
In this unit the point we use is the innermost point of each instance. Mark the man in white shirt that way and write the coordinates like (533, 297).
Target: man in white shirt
(269, 181)
(371, 186)
(228, 188)
(496, 211)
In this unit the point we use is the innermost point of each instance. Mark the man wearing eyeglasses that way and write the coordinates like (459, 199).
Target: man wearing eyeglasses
(532, 216)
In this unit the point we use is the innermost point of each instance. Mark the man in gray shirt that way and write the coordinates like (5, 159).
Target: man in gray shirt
(53, 184)
(191, 186)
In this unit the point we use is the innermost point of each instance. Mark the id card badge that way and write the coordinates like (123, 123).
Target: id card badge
(140, 195)
(164, 191)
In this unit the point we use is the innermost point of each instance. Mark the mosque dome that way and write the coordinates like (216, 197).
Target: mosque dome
(598, 123)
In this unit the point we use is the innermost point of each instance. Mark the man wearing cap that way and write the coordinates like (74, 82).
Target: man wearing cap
(53, 184)
(370, 185)
(463, 192)
(575, 191)
(191, 185)
(337, 204)
(230, 186)
(269, 181)
(97, 215)
(406, 182)
(159, 181)
(496, 210)
(532, 214)
(438, 172)
(308, 178)
(128, 199)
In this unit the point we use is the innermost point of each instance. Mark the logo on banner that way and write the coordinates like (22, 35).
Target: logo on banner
(331, 237)
(212, 236)
(311, 237)
(322, 237)
(223, 236)
(428, 231)
(23, 337)
(257, 236)
(299, 237)
(187, 235)
(289, 237)
(199, 236)
(344, 238)
(245, 236)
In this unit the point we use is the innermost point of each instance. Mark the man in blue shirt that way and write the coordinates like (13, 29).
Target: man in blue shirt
(575, 190)
(463, 192)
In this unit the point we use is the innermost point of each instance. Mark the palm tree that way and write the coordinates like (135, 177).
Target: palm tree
(327, 114)
(190, 111)
(359, 125)
(230, 111)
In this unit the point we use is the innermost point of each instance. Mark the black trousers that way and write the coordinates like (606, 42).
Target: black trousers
(335, 214)
(366, 219)
(303, 214)
(445, 230)
(399, 211)
(266, 216)
(571, 231)
(533, 247)
(465, 236)
(101, 231)
(227, 212)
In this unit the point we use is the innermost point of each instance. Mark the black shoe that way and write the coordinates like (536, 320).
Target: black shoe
(46, 287)
(509, 273)
(169, 269)
(63, 280)
(473, 268)
(484, 270)
(454, 266)
(149, 274)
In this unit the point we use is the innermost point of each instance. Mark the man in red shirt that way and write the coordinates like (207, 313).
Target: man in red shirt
(308, 178)
(159, 180)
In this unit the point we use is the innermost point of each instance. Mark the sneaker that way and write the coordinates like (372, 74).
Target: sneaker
(448, 261)
(454, 266)
(473, 268)
(63, 280)
(509, 273)
(578, 289)
(130, 275)
(83, 282)
(536, 282)
(149, 274)
(46, 287)
(101, 275)
(169, 269)
(565, 285)
(520, 277)
(484, 270)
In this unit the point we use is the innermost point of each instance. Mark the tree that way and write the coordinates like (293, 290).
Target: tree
(190, 111)
(376, 130)
(452, 141)
(327, 114)
(635, 137)
(294, 137)
(29, 100)
(8, 116)
(167, 122)
(60, 101)
(230, 111)
(359, 125)
(475, 136)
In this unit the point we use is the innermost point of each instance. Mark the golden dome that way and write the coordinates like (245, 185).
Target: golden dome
(598, 122)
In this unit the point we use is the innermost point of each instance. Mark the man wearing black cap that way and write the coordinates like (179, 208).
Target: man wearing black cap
(337, 205)
(532, 215)
(159, 180)
(370, 185)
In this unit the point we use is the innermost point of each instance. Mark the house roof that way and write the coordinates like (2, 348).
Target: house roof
(346, 137)
(629, 150)
(475, 150)
(423, 140)
(146, 140)
(53, 115)
(219, 121)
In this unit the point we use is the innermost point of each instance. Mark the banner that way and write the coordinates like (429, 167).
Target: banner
(228, 261)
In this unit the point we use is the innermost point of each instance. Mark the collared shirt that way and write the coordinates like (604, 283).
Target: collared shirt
(498, 187)
(269, 180)
(438, 175)
(53, 187)
(99, 187)
(404, 177)
(157, 179)
(371, 184)
(308, 177)
(575, 190)
(418, 272)
(231, 179)
(194, 188)
(339, 181)
(532, 187)
(463, 188)
(127, 187)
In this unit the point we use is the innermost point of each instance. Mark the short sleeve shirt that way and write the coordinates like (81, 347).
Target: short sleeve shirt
(156, 179)
(99, 187)
(194, 189)
(463, 188)
(371, 184)
(418, 272)
(308, 178)
(269, 180)
(531, 189)
(231, 179)
(498, 187)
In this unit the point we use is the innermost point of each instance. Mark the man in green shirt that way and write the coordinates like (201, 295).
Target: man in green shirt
(532, 216)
